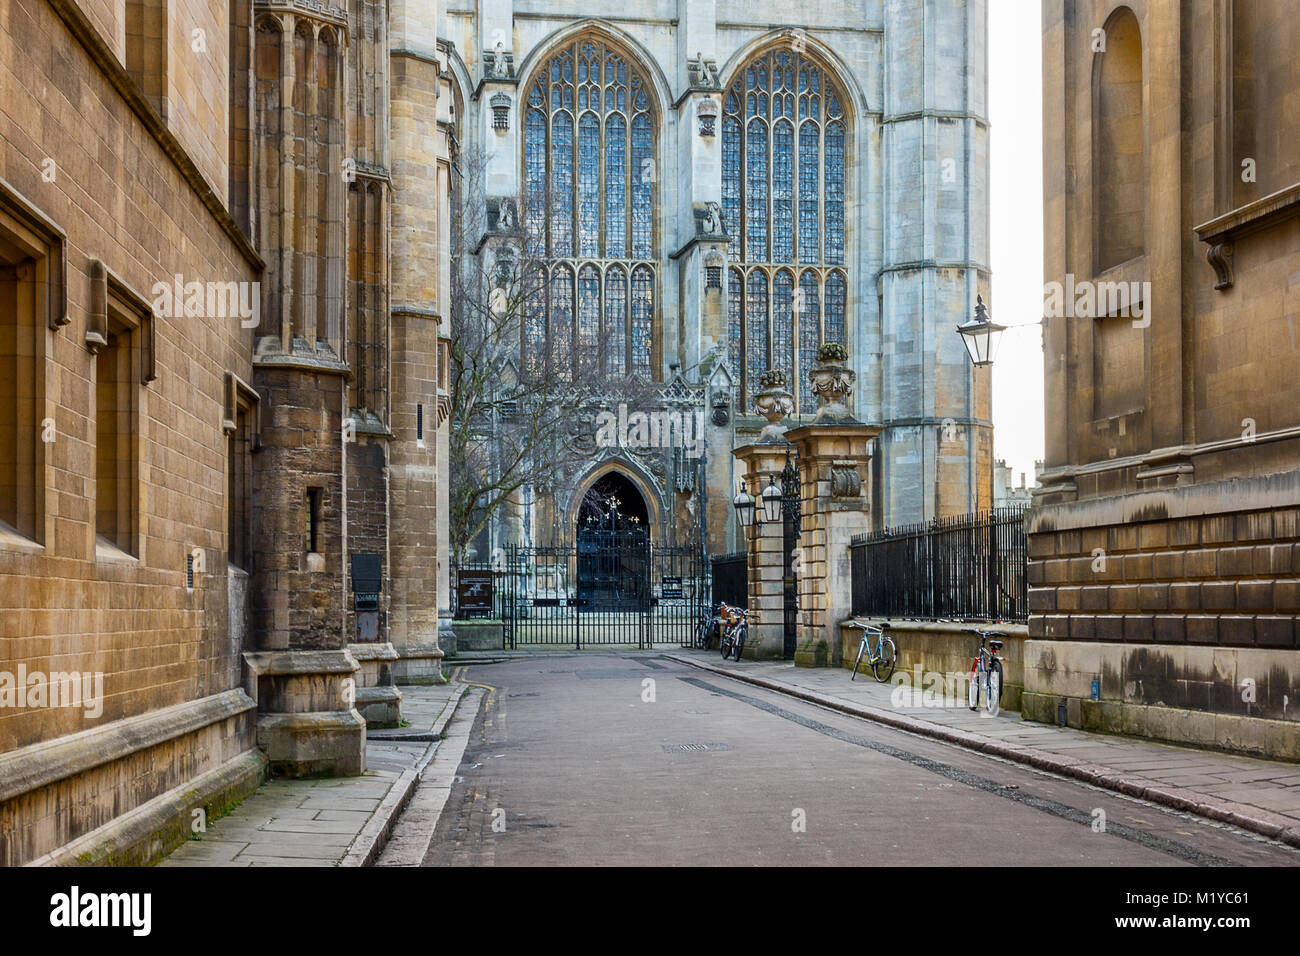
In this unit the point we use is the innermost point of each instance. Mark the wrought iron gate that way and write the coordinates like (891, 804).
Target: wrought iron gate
(791, 502)
(608, 588)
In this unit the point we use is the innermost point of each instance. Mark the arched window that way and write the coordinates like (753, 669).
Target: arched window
(590, 193)
(1119, 176)
(784, 134)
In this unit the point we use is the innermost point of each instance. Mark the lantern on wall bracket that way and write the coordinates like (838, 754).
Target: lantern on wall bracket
(981, 335)
(772, 501)
(744, 505)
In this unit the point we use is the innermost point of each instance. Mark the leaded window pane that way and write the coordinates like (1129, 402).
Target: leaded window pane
(643, 180)
(735, 302)
(643, 300)
(835, 194)
(783, 323)
(756, 190)
(589, 185)
(731, 182)
(756, 360)
(561, 325)
(783, 192)
(836, 294)
(588, 323)
(809, 320)
(535, 181)
(809, 194)
(562, 185)
(535, 323)
(616, 322)
(615, 187)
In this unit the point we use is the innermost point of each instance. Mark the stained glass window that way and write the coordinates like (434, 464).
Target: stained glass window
(560, 331)
(783, 323)
(588, 322)
(784, 179)
(756, 362)
(808, 317)
(735, 302)
(616, 322)
(535, 323)
(836, 290)
(643, 303)
(589, 153)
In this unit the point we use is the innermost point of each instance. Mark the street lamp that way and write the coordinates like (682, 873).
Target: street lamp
(772, 501)
(744, 505)
(981, 335)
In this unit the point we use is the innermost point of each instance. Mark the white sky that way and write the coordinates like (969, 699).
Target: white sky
(1016, 116)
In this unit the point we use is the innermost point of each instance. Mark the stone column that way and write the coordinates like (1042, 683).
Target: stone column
(834, 477)
(763, 462)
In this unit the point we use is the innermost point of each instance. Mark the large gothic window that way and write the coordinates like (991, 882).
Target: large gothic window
(784, 134)
(590, 193)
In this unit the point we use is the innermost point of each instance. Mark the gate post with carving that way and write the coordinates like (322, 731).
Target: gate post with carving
(764, 461)
(834, 455)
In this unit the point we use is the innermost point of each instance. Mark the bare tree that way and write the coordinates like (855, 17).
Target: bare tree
(519, 416)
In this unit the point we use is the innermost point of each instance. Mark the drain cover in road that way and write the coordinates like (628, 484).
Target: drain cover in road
(694, 748)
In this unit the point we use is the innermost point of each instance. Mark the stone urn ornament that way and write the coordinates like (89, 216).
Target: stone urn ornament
(774, 403)
(832, 382)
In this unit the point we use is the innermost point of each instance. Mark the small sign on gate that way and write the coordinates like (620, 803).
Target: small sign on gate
(670, 588)
(474, 593)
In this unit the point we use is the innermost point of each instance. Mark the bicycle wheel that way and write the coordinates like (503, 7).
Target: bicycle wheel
(993, 689)
(725, 645)
(883, 666)
(740, 644)
(861, 647)
(973, 688)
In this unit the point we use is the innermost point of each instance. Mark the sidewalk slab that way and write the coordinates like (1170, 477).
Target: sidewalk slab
(334, 821)
(1262, 796)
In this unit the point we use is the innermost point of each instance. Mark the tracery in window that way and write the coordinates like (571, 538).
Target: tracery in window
(784, 156)
(591, 188)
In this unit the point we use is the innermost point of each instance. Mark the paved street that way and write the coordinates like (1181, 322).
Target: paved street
(568, 763)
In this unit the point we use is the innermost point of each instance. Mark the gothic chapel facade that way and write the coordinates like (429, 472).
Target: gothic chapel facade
(709, 192)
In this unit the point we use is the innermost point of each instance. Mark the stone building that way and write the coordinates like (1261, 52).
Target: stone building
(1165, 539)
(714, 188)
(223, 336)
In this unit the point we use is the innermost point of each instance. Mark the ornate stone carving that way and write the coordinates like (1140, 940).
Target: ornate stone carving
(707, 113)
(498, 63)
(708, 221)
(774, 403)
(704, 73)
(832, 382)
(845, 480)
(500, 111)
(1220, 257)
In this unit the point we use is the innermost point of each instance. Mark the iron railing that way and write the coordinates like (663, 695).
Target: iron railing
(970, 567)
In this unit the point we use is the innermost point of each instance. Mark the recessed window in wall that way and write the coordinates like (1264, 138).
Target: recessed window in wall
(1119, 160)
(116, 434)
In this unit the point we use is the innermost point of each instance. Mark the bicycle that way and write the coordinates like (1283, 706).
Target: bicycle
(733, 630)
(986, 671)
(883, 659)
(707, 627)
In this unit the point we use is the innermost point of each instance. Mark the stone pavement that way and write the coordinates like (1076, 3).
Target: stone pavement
(1258, 795)
(337, 820)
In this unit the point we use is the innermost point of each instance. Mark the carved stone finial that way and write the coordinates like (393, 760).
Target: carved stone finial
(832, 382)
(774, 403)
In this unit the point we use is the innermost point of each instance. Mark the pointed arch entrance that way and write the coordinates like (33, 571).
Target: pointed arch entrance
(613, 539)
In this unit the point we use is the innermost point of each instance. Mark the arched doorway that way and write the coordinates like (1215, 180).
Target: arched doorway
(613, 537)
